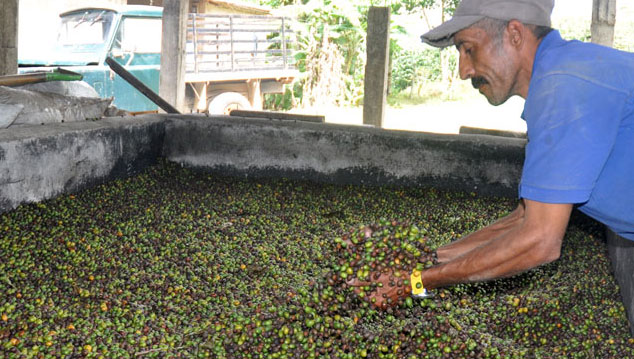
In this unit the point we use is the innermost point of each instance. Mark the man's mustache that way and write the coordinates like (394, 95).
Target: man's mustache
(478, 81)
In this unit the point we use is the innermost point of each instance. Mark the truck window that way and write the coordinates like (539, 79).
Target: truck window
(90, 27)
(139, 35)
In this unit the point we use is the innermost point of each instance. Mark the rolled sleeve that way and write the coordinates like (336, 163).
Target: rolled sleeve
(572, 126)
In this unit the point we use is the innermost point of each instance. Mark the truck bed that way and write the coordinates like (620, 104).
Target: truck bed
(239, 47)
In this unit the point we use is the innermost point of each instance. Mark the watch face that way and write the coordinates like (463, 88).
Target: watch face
(424, 294)
(417, 283)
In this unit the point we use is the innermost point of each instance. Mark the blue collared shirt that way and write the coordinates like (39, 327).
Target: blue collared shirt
(580, 124)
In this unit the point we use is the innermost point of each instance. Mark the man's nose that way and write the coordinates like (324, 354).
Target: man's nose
(465, 68)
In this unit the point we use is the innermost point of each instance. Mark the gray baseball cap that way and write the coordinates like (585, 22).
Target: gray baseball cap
(468, 12)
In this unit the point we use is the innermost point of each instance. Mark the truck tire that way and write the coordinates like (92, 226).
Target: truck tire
(227, 101)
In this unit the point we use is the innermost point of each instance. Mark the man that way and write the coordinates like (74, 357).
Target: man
(579, 112)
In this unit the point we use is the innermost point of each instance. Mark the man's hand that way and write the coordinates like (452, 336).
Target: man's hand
(377, 261)
(383, 290)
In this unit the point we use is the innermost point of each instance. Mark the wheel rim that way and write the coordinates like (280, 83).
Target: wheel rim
(231, 107)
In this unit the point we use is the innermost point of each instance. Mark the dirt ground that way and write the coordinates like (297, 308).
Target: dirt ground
(437, 117)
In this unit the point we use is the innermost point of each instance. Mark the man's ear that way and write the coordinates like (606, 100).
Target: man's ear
(516, 32)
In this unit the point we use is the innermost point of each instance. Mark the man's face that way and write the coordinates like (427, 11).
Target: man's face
(491, 64)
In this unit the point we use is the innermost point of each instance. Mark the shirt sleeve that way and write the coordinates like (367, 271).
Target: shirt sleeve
(572, 126)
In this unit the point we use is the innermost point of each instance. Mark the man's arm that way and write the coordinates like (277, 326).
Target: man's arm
(533, 237)
(476, 239)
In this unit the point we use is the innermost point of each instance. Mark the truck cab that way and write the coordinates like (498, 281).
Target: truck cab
(231, 59)
(130, 34)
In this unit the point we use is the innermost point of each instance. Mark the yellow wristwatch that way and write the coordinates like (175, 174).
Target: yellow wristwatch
(418, 290)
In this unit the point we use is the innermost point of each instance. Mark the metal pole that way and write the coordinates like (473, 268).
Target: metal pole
(158, 100)
(231, 40)
(284, 44)
(195, 31)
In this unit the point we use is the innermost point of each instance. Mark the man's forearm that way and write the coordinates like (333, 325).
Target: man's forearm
(497, 258)
(478, 238)
(534, 240)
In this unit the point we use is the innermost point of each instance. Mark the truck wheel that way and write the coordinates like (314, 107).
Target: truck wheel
(227, 101)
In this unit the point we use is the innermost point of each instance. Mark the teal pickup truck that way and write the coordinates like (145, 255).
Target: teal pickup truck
(231, 59)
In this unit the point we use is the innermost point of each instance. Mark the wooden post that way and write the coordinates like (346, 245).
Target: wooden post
(603, 20)
(172, 77)
(377, 66)
(8, 37)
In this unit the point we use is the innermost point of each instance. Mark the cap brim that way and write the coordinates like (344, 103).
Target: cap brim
(442, 36)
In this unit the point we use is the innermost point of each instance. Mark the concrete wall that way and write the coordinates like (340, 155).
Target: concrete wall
(42, 162)
(346, 154)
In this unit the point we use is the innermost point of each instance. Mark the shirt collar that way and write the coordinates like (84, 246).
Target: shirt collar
(551, 40)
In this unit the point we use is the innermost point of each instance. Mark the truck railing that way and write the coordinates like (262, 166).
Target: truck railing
(237, 43)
